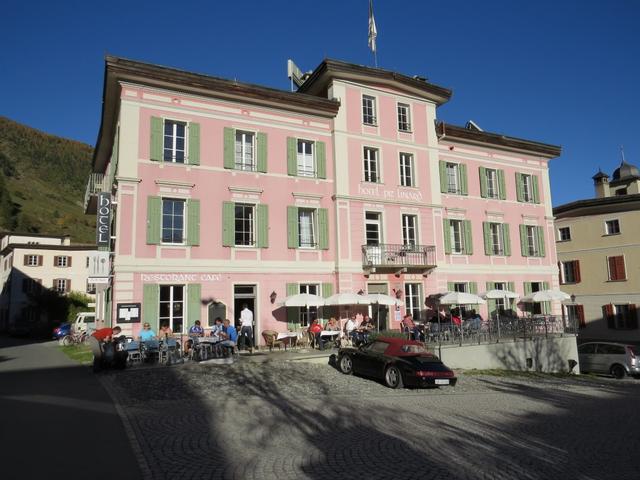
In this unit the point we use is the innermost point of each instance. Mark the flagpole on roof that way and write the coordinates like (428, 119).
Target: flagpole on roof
(373, 33)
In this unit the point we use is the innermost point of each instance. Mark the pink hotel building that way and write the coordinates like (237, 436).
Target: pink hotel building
(227, 193)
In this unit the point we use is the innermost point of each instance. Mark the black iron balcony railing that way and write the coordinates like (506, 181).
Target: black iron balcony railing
(94, 186)
(394, 255)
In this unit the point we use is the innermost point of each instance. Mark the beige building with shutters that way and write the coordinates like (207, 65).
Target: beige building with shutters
(598, 244)
(31, 262)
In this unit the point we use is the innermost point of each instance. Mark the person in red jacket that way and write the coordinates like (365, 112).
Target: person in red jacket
(315, 328)
(101, 342)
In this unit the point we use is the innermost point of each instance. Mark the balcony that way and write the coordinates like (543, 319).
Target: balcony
(398, 258)
(94, 186)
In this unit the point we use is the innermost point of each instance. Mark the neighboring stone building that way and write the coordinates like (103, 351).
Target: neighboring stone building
(598, 243)
(227, 193)
(31, 262)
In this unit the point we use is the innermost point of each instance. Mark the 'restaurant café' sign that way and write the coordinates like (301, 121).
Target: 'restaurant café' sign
(103, 220)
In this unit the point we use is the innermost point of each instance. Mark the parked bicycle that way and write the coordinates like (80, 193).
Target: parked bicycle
(74, 338)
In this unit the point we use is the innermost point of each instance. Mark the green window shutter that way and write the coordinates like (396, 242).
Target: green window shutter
(328, 311)
(444, 184)
(261, 138)
(327, 290)
(546, 306)
(462, 169)
(151, 304)
(157, 136)
(194, 296)
(292, 312)
(321, 160)
(540, 240)
(506, 239)
(450, 286)
(154, 217)
(323, 228)
(511, 286)
(292, 156)
(483, 182)
(263, 226)
(502, 186)
(446, 229)
(486, 230)
(473, 288)
(519, 189)
(292, 227)
(229, 148)
(528, 289)
(193, 222)
(523, 241)
(228, 224)
(468, 237)
(194, 144)
(536, 189)
(491, 304)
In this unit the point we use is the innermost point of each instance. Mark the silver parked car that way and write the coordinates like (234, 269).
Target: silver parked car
(617, 359)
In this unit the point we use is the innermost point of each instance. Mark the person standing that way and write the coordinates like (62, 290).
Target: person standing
(246, 327)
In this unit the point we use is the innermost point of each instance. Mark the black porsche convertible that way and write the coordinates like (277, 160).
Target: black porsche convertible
(397, 362)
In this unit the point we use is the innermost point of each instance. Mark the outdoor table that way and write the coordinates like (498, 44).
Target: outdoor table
(329, 333)
(290, 337)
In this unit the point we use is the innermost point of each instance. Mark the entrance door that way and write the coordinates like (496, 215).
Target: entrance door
(244, 294)
(379, 313)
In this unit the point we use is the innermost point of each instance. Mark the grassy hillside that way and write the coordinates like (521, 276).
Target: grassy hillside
(42, 183)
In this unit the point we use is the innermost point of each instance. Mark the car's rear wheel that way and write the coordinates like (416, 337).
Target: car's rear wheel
(618, 371)
(393, 377)
(345, 364)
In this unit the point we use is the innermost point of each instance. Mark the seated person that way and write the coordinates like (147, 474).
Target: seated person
(195, 331)
(332, 325)
(165, 331)
(476, 320)
(229, 334)
(409, 326)
(350, 328)
(146, 333)
(216, 330)
(455, 318)
(365, 327)
(315, 329)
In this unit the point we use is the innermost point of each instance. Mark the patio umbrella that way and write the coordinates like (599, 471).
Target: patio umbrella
(303, 300)
(546, 296)
(382, 299)
(347, 299)
(461, 298)
(499, 294)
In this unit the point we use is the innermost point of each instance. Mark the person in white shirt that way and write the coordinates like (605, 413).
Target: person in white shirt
(350, 328)
(246, 327)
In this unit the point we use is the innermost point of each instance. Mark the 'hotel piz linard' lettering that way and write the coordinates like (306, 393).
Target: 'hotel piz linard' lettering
(390, 194)
(180, 277)
(103, 219)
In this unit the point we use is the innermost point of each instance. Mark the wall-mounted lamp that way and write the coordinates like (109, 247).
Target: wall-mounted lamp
(360, 292)
(273, 297)
(573, 298)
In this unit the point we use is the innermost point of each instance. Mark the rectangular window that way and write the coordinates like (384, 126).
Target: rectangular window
(32, 260)
(174, 141)
(307, 228)
(412, 299)
(244, 151)
(617, 270)
(493, 190)
(308, 313)
(564, 234)
(371, 167)
(570, 271)
(406, 170)
(306, 164)
(409, 230)
(60, 285)
(501, 305)
(62, 261)
(497, 247)
(620, 316)
(404, 117)
(369, 110)
(31, 285)
(91, 288)
(373, 228)
(173, 220)
(171, 307)
(245, 224)
(453, 178)
(527, 188)
(532, 242)
(575, 316)
(457, 236)
(612, 227)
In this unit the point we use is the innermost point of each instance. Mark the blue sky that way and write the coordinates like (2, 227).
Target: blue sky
(565, 72)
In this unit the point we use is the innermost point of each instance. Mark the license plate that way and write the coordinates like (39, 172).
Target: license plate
(442, 381)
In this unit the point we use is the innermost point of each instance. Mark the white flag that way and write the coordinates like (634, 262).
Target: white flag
(373, 31)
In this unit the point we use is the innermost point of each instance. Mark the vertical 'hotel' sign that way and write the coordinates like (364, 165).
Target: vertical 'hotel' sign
(103, 220)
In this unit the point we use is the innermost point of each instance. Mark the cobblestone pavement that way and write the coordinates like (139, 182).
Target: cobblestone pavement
(301, 421)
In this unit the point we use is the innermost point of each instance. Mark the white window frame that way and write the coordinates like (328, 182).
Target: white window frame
(252, 224)
(243, 160)
(609, 223)
(172, 309)
(91, 287)
(62, 261)
(306, 313)
(500, 302)
(409, 229)
(32, 260)
(61, 285)
(404, 110)
(173, 158)
(369, 114)
(407, 177)
(368, 162)
(378, 222)
(622, 318)
(456, 229)
(496, 235)
(413, 299)
(560, 229)
(306, 161)
(567, 272)
(527, 187)
(312, 240)
(184, 220)
(493, 186)
(453, 177)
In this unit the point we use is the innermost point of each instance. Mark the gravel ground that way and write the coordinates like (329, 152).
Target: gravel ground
(297, 420)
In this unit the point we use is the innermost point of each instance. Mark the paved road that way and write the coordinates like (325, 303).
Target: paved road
(281, 420)
(56, 420)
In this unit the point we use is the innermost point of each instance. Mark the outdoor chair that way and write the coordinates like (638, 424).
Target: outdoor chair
(271, 340)
(134, 353)
(303, 339)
